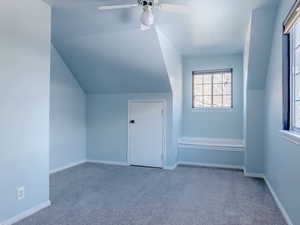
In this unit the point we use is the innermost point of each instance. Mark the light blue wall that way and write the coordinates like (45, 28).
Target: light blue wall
(261, 25)
(67, 115)
(282, 158)
(254, 139)
(24, 97)
(107, 115)
(208, 156)
(256, 57)
(107, 125)
(213, 123)
(245, 71)
(173, 63)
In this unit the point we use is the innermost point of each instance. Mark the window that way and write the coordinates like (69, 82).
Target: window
(291, 69)
(212, 89)
(295, 77)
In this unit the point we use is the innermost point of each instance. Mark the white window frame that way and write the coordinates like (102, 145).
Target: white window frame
(293, 128)
(216, 71)
(290, 133)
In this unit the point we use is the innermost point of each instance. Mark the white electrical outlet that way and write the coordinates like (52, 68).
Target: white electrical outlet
(20, 193)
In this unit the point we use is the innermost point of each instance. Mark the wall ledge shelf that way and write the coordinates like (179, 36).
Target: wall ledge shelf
(291, 136)
(217, 144)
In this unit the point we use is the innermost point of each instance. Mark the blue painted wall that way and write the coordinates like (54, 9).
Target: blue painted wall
(213, 123)
(173, 63)
(281, 157)
(67, 115)
(261, 25)
(107, 125)
(256, 57)
(24, 97)
(254, 139)
(107, 114)
(208, 156)
(246, 53)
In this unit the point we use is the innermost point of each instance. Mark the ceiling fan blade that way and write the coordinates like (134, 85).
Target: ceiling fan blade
(173, 8)
(110, 7)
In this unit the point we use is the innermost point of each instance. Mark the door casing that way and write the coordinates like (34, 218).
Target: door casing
(164, 126)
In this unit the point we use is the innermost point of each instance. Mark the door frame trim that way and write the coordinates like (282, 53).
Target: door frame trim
(164, 127)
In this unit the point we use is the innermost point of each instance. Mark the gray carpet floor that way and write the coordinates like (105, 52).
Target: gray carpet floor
(94, 194)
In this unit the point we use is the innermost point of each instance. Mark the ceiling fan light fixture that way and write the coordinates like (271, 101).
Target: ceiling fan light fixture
(144, 28)
(147, 17)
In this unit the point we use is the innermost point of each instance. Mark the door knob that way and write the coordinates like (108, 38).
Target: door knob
(132, 121)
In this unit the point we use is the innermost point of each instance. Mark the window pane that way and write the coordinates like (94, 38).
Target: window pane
(297, 87)
(297, 60)
(297, 34)
(217, 100)
(198, 89)
(227, 89)
(227, 78)
(198, 79)
(297, 114)
(207, 101)
(198, 101)
(227, 101)
(218, 89)
(207, 78)
(218, 78)
(212, 89)
(207, 89)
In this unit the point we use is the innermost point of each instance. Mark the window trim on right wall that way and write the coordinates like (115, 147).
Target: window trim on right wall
(289, 132)
(294, 74)
(288, 66)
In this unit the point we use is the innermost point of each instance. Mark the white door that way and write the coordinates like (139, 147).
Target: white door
(146, 133)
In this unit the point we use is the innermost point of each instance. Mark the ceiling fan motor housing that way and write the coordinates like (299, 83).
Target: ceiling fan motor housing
(146, 2)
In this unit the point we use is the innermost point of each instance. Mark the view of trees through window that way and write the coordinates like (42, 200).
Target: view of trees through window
(212, 89)
(295, 73)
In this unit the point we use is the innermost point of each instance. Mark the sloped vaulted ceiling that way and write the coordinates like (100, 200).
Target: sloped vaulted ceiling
(107, 52)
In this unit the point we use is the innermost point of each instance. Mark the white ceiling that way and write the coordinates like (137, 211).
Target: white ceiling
(211, 27)
(108, 53)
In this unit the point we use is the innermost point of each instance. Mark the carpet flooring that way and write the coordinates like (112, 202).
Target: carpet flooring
(96, 194)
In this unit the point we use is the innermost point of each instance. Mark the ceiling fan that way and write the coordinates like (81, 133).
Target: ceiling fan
(147, 17)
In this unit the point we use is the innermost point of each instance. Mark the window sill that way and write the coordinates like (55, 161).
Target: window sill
(291, 136)
(217, 144)
(213, 110)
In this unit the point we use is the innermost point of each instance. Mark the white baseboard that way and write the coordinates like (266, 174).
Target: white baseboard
(254, 175)
(67, 166)
(171, 167)
(26, 213)
(116, 163)
(279, 204)
(210, 165)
